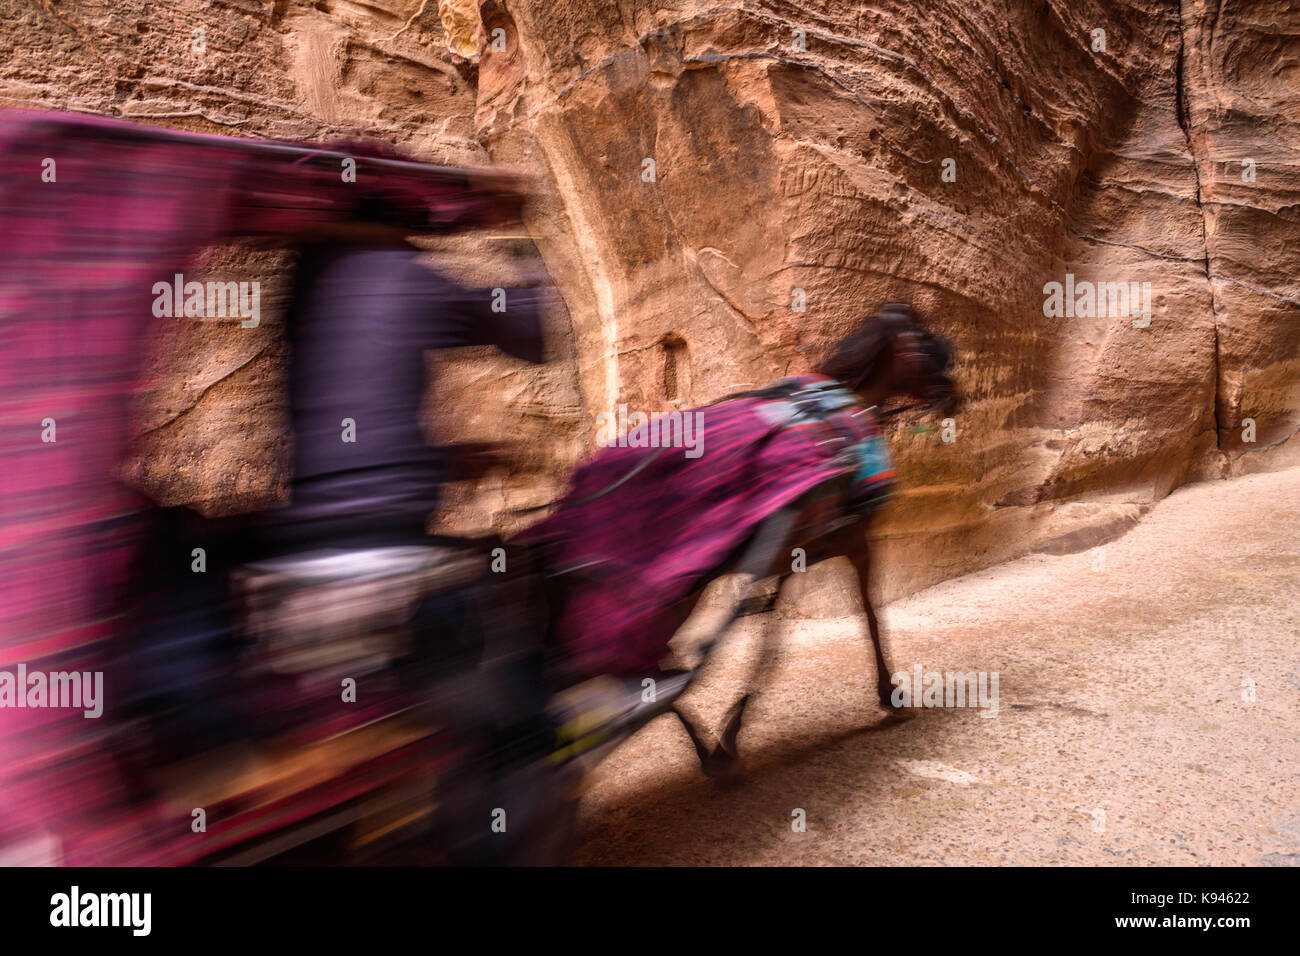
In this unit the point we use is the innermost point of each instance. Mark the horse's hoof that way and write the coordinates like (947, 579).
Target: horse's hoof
(724, 769)
(885, 694)
(887, 704)
(731, 728)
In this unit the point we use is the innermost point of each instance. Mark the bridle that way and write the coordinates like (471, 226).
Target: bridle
(920, 403)
(900, 409)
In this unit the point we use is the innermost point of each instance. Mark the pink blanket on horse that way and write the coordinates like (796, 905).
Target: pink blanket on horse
(642, 527)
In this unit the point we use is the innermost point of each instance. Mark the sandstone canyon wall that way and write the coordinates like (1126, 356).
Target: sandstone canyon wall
(705, 168)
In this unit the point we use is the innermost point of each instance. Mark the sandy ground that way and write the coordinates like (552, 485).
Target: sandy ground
(1147, 715)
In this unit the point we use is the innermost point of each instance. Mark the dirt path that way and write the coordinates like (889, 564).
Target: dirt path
(1124, 732)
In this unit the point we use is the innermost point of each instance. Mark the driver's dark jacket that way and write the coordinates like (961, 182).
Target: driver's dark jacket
(359, 323)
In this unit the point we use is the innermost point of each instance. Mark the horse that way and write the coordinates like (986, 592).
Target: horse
(889, 360)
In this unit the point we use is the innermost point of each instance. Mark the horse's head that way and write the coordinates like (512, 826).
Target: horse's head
(892, 356)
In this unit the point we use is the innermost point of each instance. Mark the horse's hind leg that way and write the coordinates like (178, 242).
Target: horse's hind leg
(759, 665)
(756, 562)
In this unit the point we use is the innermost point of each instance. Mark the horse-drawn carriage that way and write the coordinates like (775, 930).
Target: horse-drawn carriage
(369, 704)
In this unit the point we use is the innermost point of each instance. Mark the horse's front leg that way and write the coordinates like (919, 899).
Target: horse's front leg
(859, 556)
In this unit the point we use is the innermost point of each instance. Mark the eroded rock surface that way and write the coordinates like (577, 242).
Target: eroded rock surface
(804, 147)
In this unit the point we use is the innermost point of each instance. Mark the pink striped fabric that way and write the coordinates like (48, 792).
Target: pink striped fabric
(93, 212)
